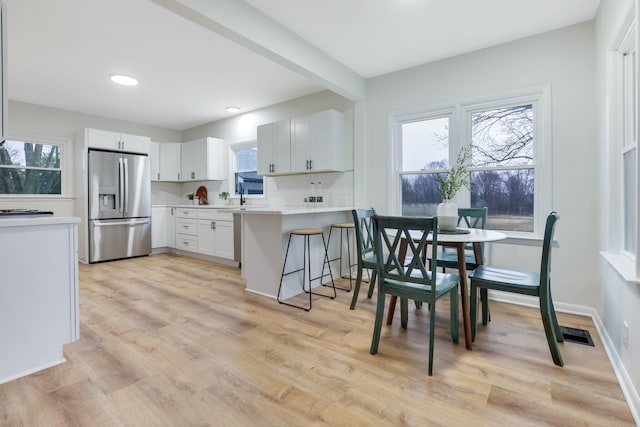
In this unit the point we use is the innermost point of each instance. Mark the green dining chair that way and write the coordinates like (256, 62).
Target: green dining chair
(362, 218)
(523, 282)
(470, 218)
(411, 279)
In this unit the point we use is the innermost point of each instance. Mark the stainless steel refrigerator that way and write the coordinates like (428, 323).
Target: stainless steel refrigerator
(119, 205)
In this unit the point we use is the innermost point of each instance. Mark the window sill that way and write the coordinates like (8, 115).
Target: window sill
(625, 267)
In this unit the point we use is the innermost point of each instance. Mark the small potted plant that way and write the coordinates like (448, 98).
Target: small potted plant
(191, 197)
(449, 184)
(224, 196)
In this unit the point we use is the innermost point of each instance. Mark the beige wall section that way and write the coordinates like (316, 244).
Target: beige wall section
(563, 59)
(38, 120)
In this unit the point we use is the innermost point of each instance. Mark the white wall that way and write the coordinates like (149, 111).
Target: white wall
(565, 60)
(34, 119)
(618, 300)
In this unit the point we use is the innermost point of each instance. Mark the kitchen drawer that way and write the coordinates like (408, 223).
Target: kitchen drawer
(187, 226)
(222, 215)
(186, 242)
(206, 213)
(186, 213)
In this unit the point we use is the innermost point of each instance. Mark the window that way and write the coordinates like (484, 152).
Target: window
(502, 166)
(246, 170)
(629, 144)
(425, 153)
(30, 167)
(507, 137)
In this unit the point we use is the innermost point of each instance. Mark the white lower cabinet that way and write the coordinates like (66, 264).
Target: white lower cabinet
(187, 229)
(204, 231)
(163, 226)
(223, 239)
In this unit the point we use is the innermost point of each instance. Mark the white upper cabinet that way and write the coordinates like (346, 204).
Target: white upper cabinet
(165, 161)
(118, 141)
(274, 142)
(203, 159)
(154, 158)
(318, 142)
(170, 153)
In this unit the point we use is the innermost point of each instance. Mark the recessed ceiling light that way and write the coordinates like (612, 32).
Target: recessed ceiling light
(124, 80)
(233, 109)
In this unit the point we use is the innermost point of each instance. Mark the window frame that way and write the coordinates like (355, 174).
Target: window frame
(233, 164)
(66, 164)
(460, 135)
(626, 142)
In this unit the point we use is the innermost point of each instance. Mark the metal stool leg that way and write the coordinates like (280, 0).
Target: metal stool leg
(306, 272)
(340, 258)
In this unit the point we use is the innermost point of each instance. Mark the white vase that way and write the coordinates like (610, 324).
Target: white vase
(447, 215)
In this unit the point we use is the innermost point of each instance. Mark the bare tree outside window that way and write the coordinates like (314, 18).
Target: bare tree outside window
(30, 168)
(502, 170)
(503, 178)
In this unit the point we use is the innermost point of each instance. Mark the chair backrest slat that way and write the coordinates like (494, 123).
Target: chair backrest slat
(363, 221)
(395, 234)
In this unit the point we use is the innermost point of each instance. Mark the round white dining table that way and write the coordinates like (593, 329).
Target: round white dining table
(458, 240)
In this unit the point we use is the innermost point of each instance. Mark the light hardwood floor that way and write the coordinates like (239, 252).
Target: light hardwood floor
(173, 341)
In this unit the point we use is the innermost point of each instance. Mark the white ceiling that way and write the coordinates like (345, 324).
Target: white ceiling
(62, 52)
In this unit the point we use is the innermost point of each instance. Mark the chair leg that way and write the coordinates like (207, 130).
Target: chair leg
(473, 309)
(372, 283)
(356, 288)
(554, 321)
(455, 328)
(432, 323)
(377, 326)
(484, 297)
(549, 330)
(404, 312)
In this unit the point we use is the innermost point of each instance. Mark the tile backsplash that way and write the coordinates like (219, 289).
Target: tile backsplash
(281, 191)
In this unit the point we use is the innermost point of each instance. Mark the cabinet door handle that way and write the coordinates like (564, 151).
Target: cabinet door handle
(193, 175)
(158, 175)
(178, 176)
(213, 225)
(310, 164)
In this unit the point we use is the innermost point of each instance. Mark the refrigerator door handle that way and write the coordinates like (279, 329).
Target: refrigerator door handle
(117, 223)
(121, 186)
(126, 186)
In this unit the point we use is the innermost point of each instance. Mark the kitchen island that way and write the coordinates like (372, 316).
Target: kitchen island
(265, 233)
(39, 310)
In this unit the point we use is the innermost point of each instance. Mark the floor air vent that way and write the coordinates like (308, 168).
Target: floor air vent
(579, 336)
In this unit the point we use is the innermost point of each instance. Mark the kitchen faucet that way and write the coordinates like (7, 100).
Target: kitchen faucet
(241, 191)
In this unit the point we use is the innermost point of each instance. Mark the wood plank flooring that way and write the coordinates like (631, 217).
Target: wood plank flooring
(174, 341)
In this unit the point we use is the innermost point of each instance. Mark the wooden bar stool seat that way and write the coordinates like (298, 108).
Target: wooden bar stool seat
(306, 234)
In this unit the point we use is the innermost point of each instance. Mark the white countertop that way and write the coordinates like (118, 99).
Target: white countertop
(265, 210)
(251, 210)
(26, 220)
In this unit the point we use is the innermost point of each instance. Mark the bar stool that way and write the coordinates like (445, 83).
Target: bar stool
(306, 233)
(342, 227)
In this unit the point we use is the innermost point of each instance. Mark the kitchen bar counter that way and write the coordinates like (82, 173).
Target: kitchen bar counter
(38, 292)
(30, 221)
(265, 233)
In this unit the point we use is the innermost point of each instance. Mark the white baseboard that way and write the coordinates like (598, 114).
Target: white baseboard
(626, 384)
